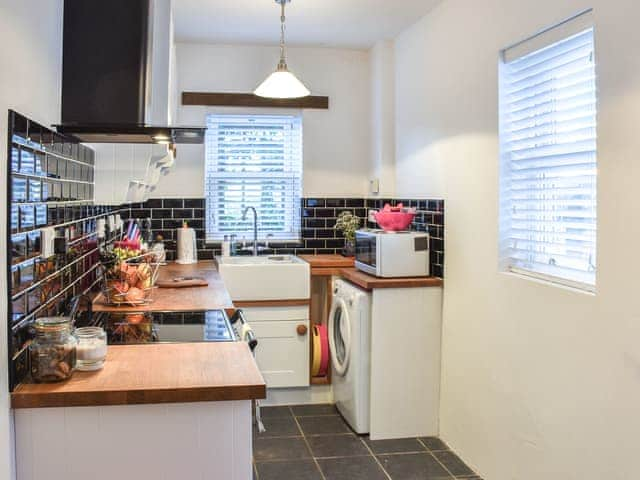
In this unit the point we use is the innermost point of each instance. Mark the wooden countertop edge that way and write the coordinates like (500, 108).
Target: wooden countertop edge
(138, 397)
(151, 374)
(369, 282)
(327, 261)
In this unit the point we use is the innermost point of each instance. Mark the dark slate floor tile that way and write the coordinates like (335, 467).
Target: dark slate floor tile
(353, 468)
(270, 449)
(336, 446)
(278, 427)
(453, 463)
(399, 445)
(275, 412)
(294, 470)
(414, 466)
(323, 425)
(434, 443)
(314, 410)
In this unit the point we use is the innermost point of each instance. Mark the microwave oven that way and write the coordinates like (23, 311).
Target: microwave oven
(392, 254)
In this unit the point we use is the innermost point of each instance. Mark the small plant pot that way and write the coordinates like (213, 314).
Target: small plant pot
(349, 249)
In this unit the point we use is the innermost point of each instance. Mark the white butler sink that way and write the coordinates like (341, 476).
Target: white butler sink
(273, 277)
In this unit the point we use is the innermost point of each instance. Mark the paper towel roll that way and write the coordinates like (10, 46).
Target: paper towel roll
(187, 250)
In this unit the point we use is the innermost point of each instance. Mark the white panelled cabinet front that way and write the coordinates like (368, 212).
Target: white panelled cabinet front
(283, 353)
(177, 441)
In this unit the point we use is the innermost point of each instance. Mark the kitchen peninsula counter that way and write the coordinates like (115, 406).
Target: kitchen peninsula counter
(155, 373)
(151, 407)
(212, 297)
(163, 410)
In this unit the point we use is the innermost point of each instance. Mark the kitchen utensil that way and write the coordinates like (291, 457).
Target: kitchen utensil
(182, 282)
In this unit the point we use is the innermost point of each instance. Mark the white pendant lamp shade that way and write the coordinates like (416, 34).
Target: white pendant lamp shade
(282, 83)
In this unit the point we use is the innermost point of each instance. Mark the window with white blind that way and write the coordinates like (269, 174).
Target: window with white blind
(253, 161)
(548, 155)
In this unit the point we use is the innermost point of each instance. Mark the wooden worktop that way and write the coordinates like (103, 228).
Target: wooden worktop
(328, 261)
(212, 297)
(155, 373)
(369, 282)
(327, 265)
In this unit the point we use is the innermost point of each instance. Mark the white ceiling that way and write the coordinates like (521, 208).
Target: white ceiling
(331, 23)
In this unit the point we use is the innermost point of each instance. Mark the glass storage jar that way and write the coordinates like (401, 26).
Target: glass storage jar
(91, 351)
(53, 351)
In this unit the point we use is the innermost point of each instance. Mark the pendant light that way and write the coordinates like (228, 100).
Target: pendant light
(282, 83)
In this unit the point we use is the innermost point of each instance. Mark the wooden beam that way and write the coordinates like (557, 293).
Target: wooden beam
(250, 100)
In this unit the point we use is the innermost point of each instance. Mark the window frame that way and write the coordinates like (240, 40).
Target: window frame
(547, 38)
(294, 174)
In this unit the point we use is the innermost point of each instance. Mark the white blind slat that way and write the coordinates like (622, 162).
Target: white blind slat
(253, 161)
(549, 163)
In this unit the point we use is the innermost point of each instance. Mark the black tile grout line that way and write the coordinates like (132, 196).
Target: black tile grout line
(336, 457)
(276, 436)
(376, 459)
(437, 459)
(315, 459)
(306, 442)
(304, 436)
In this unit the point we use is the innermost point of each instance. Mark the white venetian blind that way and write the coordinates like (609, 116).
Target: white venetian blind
(253, 161)
(548, 149)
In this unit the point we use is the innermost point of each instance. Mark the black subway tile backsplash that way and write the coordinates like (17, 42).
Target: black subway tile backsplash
(154, 203)
(319, 215)
(314, 202)
(52, 176)
(161, 213)
(194, 203)
(335, 202)
(355, 202)
(173, 203)
(183, 213)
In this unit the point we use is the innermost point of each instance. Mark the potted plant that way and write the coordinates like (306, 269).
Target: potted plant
(348, 223)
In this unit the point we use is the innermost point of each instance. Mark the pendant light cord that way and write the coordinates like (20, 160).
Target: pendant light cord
(283, 61)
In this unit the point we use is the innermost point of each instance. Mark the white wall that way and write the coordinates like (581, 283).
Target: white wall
(383, 117)
(336, 141)
(539, 382)
(31, 59)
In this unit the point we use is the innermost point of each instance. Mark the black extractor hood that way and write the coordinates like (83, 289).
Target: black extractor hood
(116, 73)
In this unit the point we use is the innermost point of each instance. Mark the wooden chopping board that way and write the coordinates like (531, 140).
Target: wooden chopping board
(182, 282)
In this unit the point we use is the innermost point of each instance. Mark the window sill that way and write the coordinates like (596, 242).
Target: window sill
(586, 290)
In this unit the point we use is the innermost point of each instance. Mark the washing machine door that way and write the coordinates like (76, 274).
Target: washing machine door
(340, 336)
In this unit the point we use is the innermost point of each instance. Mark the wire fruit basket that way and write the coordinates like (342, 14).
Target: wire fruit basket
(131, 281)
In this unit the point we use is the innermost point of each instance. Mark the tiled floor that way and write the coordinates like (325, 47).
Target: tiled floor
(312, 442)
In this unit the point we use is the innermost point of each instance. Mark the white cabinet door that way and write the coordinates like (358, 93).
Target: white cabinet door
(282, 354)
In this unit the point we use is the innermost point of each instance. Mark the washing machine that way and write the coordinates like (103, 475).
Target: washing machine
(350, 346)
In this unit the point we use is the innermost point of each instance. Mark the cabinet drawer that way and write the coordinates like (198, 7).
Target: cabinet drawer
(282, 354)
(265, 314)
